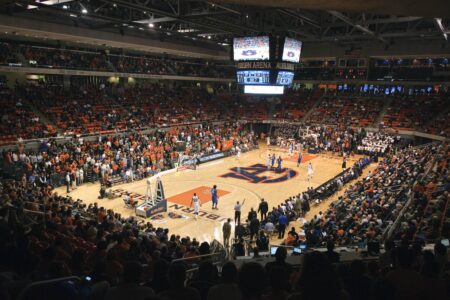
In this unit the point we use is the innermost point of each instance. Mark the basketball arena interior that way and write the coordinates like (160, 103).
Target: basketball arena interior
(209, 150)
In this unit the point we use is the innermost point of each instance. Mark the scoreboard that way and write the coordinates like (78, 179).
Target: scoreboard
(266, 61)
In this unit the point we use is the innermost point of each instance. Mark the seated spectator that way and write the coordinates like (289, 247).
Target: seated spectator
(332, 255)
(130, 286)
(251, 281)
(205, 279)
(279, 283)
(227, 288)
(177, 278)
(280, 261)
(316, 270)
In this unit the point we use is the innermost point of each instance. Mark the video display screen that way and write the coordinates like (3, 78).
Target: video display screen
(251, 48)
(285, 78)
(253, 77)
(264, 89)
(292, 50)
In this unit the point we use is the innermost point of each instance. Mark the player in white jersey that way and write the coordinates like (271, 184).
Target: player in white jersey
(310, 171)
(238, 152)
(290, 148)
(196, 202)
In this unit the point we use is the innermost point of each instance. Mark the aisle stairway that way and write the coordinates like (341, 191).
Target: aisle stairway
(306, 116)
(386, 105)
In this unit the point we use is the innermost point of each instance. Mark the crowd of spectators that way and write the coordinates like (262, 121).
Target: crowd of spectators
(107, 108)
(345, 141)
(416, 112)
(346, 111)
(372, 204)
(427, 216)
(43, 56)
(46, 236)
(130, 156)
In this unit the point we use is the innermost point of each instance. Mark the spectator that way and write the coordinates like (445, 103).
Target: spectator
(130, 287)
(227, 288)
(251, 281)
(177, 278)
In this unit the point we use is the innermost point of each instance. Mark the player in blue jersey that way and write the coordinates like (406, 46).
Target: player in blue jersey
(299, 159)
(273, 160)
(214, 197)
(279, 160)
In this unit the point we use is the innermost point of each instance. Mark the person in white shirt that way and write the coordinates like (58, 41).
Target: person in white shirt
(68, 182)
(310, 171)
(81, 175)
(196, 202)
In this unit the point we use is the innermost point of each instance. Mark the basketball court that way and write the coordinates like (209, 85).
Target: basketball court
(237, 179)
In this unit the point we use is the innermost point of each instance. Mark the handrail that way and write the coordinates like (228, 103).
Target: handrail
(394, 226)
(196, 257)
(45, 282)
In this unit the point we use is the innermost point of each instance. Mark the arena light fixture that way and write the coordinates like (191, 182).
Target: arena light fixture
(151, 25)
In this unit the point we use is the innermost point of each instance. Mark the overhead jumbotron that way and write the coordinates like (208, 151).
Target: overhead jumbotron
(226, 149)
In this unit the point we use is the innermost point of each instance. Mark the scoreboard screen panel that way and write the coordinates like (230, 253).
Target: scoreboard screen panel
(285, 78)
(253, 76)
(251, 48)
(291, 50)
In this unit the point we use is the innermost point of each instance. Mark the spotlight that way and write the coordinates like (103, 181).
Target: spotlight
(84, 11)
(65, 7)
(151, 25)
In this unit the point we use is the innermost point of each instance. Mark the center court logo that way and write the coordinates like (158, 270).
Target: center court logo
(254, 174)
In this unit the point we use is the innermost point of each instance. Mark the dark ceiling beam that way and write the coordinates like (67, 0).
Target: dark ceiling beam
(224, 7)
(347, 20)
(129, 4)
(376, 21)
(421, 34)
(300, 17)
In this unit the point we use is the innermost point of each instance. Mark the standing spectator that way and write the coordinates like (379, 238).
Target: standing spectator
(254, 228)
(226, 230)
(282, 223)
(251, 214)
(263, 208)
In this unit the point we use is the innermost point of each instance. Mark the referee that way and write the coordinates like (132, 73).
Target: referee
(237, 213)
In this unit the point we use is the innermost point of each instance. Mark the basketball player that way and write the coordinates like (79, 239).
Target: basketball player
(310, 171)
(196, 202)
(268, 162)
(290, 149)
(299, 159)
(273, 160)
(238, 152)
(268, 140)
(214, 197)
(279, 160)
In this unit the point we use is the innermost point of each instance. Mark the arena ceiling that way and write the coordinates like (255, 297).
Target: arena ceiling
(214, 23)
